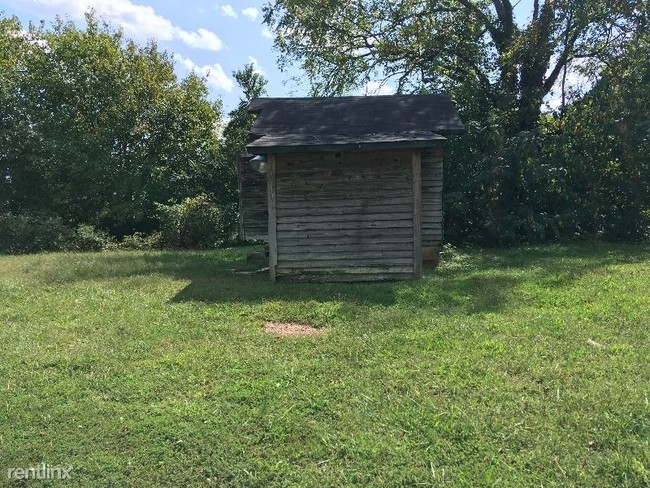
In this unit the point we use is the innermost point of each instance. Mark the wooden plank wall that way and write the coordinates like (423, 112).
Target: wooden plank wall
(345, 216)
(432, 214)
(253, 210)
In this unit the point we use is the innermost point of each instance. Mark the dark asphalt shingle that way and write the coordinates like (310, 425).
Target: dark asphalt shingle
(331, 121)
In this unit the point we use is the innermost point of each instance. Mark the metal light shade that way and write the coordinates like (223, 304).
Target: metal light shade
(259, 164)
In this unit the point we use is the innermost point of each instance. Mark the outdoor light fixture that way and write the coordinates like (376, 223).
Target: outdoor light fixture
(259, 164)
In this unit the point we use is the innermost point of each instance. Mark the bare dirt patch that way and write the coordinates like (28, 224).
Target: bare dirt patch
(291, 329)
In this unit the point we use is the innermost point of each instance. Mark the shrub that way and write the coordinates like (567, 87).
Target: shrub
(138, 241)
(88, 238)
(30, 233)
(194, 223)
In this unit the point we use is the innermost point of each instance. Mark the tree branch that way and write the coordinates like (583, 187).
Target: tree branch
(561, 62)
(506, 19)
(495, 33)
(498, 6)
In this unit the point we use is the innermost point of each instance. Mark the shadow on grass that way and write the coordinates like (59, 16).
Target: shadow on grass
(467, 281)
(455, 292)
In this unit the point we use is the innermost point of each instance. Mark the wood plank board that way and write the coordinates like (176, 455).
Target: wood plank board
(346, 211)
(345, 218)
(348, 159)
(361, 234)
(307, 226)
(301, 276)
(347, 263)
(394, 170)
(341, 245)
(342, 203)
(313, 190)
(318, 255)
(341, 208)
(350, 270)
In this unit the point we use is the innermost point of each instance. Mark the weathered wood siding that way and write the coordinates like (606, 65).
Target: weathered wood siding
(344, 216)
(432, 215)
(253, 210)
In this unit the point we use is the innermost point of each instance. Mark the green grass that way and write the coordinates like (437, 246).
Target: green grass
(521, 367)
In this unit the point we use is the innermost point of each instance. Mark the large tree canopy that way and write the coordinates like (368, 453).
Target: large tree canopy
(96, 129)
(424, 45)
(517, 174)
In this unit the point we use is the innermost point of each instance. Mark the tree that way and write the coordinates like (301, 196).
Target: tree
(97, 129)
(445, 44)
(500, 186)
(604, 142)
(15, 131)
(240, 121)
(236, 132)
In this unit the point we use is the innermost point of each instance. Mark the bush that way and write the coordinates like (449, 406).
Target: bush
(195, 223)
(88, 238)
(138, 241)
(30, 233)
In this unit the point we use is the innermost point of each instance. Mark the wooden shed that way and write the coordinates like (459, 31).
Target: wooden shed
(350, 187)
(253, 208)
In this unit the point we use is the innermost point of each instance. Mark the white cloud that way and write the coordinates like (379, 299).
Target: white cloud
(377, 88)
(256, 66)
(138, 21)
(267, 33)
(251, 13)
(201, 39)
(214, 74)
(188, 64)
(228, 11)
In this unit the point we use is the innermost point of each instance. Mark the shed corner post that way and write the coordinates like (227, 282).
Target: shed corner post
(416, 158)
(240, 175)
(272, 206)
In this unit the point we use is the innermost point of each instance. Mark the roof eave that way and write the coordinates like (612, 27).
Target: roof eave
(348, 147)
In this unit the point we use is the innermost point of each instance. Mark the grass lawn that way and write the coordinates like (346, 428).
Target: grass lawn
(521, 367)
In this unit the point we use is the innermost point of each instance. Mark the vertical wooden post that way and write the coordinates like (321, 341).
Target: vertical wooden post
(271, 201)
(417, 213)
(442, 201)
(240, 175)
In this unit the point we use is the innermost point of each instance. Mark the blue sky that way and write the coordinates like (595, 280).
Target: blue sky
(205, 35)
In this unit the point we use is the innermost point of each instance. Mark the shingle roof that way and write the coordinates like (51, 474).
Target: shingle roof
(288, 124)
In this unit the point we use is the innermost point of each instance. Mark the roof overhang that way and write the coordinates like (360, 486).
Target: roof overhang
(295, 143)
